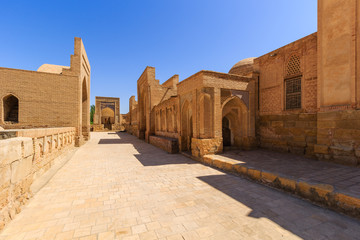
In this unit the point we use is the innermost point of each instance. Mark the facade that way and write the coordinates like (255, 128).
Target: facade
(52, 96)
(302, 98)
(107, 114)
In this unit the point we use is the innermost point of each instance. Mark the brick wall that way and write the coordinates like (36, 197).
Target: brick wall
(51, 99)
(277, 128)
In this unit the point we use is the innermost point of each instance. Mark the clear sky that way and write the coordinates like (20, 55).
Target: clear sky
(123, 37)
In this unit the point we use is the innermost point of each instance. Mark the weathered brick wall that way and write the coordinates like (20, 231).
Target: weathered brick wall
(277, 128)
(295, 133)
(25, 158)
(151, 93)
(166, 118)
(202, 147)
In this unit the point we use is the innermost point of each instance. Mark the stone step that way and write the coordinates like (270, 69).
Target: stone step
(324, 194)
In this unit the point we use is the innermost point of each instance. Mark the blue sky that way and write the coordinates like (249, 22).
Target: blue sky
(123, 37)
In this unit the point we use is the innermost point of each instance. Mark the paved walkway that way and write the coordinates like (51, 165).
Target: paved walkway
(118, 187)
(344, 178)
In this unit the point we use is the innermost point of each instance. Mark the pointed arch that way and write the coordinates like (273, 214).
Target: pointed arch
(235, 122)
(186, 126)
(10, 106)
(206, 116)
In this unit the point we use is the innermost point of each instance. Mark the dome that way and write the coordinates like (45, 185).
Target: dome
(50, 68)
(243, 67)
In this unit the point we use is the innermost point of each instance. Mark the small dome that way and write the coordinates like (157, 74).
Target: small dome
(243, 67)
(50, 68)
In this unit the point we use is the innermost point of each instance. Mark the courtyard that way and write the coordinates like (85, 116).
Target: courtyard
(119, 187)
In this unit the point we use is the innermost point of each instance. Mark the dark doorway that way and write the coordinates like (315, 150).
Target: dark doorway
(11, 109)
(226, 132)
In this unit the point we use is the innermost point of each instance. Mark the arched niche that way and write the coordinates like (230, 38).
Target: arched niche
(235, 123)
(10, 109)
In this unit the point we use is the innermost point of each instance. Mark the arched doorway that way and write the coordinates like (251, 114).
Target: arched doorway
(107, 117)
(226, 132)
(11, 109)
(187, 127)
(234, 122)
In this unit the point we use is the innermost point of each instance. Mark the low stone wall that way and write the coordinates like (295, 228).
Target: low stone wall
(338, 137)
(167, 134)
(132, 129)
(118, 127)
(295, 133)
(25, 158)
(201, 147)
(98, 127)
(170, 145)
(323, 194)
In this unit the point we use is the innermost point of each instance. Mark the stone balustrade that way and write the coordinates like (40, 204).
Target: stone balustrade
(25, 155)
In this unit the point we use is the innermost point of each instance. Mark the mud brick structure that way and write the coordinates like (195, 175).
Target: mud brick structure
(302, 98)
(52, 96)
(107, 114)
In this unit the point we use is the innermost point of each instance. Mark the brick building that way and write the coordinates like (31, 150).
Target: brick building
(52, 96)
(107, 114)
(302, 98)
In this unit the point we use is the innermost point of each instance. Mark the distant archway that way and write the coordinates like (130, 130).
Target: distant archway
(107, 116)
(234, 122)
(11, 109)
(187, 127)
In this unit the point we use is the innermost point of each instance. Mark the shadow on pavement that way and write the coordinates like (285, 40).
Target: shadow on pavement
(292, 214)
(148, 155)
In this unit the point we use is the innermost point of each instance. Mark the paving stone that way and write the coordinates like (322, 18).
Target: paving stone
(150, 194)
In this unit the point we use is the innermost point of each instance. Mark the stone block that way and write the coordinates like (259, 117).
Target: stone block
(21, 169)
(347, 201)
(322, 190)
(240, 169)
(5, 173)
(323, 149)
(287, 184)
(208, 159)
(10, 150)
(307, 116)
(28, 147)
(277, 124)
(268, 177)
(326, 124)
(289, 124)
(4, 197)
(341, 150)
(228, 166)
(303, 189)
(254, 174)
(348, 124)
(218, 163)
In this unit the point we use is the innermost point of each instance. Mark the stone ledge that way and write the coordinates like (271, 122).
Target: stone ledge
(170, 145)
(323, 194)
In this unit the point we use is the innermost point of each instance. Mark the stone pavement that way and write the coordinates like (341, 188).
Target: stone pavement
(119, 187)
(333, 185)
